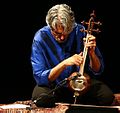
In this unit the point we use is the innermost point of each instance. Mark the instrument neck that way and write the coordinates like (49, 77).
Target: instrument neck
(85, 51)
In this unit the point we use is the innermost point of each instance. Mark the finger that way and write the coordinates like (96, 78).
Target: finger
(91, 37)
(81, 53)
(91, 45)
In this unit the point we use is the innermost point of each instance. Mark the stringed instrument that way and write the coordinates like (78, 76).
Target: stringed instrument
(80, 82)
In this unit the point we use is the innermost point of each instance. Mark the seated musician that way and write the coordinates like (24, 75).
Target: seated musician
(57, 52)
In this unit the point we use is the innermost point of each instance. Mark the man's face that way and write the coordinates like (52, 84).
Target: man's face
(59, 34)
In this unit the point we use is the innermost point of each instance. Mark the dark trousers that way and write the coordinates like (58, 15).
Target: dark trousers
(98, 94)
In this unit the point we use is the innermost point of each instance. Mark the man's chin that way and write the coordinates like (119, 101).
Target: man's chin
(61, 41)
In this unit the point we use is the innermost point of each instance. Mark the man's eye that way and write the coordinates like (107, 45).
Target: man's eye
(58, 33)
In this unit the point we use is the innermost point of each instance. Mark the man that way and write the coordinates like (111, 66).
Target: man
(57, 52)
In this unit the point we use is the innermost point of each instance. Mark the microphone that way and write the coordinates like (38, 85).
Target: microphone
(73, 77)
(45, 100)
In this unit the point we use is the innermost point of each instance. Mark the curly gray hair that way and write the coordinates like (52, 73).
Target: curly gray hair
(61, 13)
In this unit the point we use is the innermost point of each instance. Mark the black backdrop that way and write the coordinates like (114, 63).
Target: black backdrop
(20, 20)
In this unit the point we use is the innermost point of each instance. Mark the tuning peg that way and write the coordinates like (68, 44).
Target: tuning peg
(98, 23)
(96, 30)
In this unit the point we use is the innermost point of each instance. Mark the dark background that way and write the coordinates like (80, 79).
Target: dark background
(19, 22)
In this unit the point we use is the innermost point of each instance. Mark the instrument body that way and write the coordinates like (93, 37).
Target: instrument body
(81, 84)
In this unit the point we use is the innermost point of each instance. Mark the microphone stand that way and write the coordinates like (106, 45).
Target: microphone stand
(43, 97)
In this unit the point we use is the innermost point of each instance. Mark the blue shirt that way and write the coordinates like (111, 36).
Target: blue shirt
(47, 53)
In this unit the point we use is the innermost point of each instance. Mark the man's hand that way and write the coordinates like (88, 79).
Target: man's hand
(90, 43)
(76, 59)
